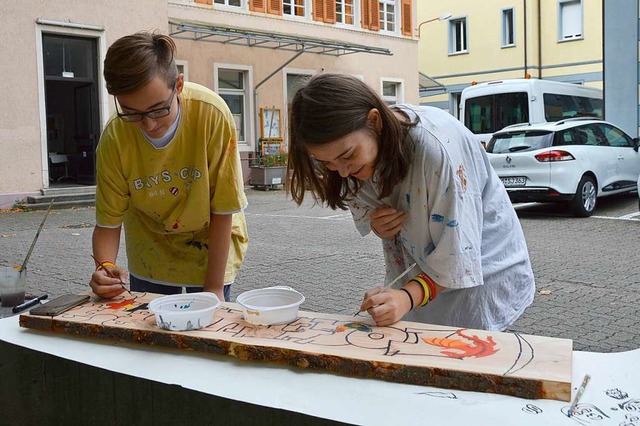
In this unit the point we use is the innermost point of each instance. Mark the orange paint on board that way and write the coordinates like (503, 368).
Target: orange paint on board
(127, 304)
(476, 347)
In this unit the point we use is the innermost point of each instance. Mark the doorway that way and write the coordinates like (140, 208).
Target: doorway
(71, 103)
(293, 80)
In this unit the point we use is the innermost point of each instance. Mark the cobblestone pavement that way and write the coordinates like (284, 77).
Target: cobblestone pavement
(587, 270)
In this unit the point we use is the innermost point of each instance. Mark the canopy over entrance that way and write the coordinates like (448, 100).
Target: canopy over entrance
(240, 36)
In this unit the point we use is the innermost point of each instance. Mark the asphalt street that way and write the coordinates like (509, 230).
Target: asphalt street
(587, 270)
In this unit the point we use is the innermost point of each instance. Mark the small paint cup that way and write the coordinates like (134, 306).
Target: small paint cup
(12, 284)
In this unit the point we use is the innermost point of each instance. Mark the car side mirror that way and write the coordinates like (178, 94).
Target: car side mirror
(636, 144)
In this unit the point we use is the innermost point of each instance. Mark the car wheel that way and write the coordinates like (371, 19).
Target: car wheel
(584, 203)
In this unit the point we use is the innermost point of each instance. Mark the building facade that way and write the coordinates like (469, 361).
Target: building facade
(483, 41)
(252, 52)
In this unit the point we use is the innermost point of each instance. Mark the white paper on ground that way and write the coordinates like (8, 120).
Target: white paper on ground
(611, 398)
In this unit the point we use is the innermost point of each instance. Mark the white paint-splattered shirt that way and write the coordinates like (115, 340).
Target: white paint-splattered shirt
(461, 229)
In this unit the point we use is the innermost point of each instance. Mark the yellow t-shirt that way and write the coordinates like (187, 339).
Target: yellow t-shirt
(165, 196)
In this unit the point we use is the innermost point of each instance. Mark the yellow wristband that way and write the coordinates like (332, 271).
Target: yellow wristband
(107, 263)
(425, 287)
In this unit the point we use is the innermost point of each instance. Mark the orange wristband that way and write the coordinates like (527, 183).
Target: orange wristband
(106, 263)
(430, 283)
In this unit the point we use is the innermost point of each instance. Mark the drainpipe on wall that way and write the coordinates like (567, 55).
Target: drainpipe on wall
(540, 39)
(255, 93)
(526, 68)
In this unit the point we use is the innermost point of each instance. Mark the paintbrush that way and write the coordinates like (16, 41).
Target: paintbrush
(406, 271)
(581, 389)
(110, 274)
(33, 243)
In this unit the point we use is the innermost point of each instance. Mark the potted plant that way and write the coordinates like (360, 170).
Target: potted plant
(268, 171)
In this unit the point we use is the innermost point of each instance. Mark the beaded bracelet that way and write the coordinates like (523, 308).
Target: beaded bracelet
(410, 297)
(425, 288)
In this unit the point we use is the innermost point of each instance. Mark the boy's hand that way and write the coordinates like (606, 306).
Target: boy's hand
(105, 286)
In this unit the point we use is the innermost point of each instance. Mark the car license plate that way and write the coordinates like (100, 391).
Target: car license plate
(513, 181)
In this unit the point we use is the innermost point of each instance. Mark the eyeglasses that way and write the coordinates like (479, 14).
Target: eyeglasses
(153, 114)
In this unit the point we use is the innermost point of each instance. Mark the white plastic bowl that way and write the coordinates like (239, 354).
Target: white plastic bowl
(271, 305)
(189, 311)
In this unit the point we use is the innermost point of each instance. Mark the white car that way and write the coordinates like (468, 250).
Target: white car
(575, 160)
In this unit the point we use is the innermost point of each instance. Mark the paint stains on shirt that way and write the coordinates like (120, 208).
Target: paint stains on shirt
(452, 223)
(437, 218)
(462, 176)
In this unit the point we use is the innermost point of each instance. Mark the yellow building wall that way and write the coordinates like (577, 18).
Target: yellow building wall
(578, 61)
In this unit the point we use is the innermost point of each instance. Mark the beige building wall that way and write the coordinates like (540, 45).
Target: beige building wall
(537, 50)
(203, 56)
(23, 154)
(23, 133)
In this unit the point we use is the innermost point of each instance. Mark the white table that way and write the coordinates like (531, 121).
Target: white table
(352, 400)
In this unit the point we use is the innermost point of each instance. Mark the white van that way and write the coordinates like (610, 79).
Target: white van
(488, 107)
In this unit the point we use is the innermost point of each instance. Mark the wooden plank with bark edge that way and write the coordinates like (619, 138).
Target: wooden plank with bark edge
(514, 364)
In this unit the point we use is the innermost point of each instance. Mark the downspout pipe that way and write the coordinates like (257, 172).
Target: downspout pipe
(255, 93)
(540, 39)
(526, 67)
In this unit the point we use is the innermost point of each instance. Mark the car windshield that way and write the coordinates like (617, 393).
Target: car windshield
(519, 141)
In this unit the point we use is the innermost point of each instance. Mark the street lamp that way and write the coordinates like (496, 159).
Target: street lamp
(442, 17)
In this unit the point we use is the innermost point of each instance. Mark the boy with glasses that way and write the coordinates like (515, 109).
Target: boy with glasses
(168, 168)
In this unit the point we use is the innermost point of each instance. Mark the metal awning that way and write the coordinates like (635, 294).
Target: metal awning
(429, 86)
(245, 37)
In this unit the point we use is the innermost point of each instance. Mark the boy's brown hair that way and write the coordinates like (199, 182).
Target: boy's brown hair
(134, 60)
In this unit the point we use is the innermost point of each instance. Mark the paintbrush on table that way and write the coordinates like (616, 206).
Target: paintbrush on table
(583, 386)
(406, 271)
(110, 274)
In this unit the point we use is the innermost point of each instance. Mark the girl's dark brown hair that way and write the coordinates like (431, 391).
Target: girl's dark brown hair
(134, 60)
(326, 108)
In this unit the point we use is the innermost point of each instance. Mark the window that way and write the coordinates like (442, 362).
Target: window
(458, 36)
(236, 3)
(387, 15)
(391, 92)
(508, 37)
(615, 136)
(345, 11)
(589, 135)
(558, 107)
(570, 20)
(488, 114)
(454, 108)
(293, 7)
(183, 68)
(520, 142)
(232, 87)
